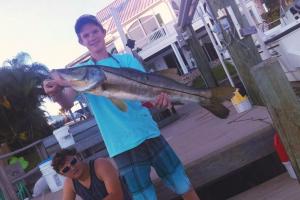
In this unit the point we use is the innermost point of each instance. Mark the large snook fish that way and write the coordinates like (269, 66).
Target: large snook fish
(126, 83)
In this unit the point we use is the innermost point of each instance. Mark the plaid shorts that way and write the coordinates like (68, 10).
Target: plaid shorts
(135, 166)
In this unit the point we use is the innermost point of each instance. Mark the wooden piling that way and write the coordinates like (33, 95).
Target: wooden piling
(243, 51)
(282, 104)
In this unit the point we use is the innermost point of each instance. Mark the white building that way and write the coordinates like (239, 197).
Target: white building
(151, 24)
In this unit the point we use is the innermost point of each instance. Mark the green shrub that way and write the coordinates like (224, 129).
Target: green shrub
(218, 73)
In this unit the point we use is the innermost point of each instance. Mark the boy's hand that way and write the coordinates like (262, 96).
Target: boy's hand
(54, 86)
(59, 90)
(163, 101)
(51, 87)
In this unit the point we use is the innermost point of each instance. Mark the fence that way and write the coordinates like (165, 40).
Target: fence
(7, 183)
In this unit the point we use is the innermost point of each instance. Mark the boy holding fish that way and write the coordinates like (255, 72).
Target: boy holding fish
(131, 136)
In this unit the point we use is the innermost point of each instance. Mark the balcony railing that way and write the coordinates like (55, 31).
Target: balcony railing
(151, 38)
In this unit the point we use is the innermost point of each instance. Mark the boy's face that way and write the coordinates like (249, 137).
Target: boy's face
(72, 167)
(92, 37)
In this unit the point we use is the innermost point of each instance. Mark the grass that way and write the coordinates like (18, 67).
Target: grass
(218, 73)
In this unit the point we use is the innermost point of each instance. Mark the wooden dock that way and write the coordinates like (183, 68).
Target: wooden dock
(279, 188)
(211, 147)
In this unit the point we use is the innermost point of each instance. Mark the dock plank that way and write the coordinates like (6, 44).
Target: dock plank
(210, 147)
(279, 188)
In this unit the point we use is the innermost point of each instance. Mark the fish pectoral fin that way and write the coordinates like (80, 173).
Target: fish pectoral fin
(214, 103)
(120, 104)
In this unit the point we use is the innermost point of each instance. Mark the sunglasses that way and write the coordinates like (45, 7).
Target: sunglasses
(67, 169)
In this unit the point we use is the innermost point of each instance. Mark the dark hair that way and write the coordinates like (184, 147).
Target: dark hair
(84, 20)
(60, 158)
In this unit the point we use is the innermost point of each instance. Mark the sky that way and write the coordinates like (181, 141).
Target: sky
(45, 30)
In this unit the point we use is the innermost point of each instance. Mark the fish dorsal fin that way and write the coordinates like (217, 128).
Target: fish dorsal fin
(120, 104)
(170, 73)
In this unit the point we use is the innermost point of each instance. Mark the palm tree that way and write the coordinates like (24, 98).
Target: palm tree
(22, 121)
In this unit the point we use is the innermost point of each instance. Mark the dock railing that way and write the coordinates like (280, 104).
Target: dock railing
(6, 184)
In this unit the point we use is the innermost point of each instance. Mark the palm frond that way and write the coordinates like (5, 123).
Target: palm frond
(23, 121)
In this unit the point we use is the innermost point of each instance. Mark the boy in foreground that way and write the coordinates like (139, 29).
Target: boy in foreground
(132, 138)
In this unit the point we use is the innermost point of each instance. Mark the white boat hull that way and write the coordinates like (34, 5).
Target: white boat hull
(285, 44)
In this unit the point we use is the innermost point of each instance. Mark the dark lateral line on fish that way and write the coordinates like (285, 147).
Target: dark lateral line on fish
(160, 86)
(103, 67)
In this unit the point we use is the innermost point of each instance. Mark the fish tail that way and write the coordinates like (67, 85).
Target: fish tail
(222, 93)
(214, 104)
(216, 108)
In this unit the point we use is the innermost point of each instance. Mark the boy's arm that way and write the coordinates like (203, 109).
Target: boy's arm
(66, 98)
(109, 175)
(68, 193)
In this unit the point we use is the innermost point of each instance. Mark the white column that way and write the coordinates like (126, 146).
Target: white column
(215, 34)
(179, 58)
(116, 19)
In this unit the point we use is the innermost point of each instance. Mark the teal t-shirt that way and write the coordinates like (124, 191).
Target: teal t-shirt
(121, 131)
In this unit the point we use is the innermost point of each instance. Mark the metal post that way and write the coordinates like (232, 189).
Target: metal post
(115, 16)
(179, 58)
(242, 50)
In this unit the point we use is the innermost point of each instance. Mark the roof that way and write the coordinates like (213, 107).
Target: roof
(128, 9)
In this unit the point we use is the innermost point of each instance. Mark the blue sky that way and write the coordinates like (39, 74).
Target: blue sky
(43, 28)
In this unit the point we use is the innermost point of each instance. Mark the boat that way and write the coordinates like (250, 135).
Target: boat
(283, 42)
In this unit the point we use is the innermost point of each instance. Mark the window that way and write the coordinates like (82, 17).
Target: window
(136, 33)
(143, 27)
(149, 24)
(146, 29)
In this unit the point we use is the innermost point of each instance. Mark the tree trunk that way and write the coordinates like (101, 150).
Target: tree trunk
(3, 150)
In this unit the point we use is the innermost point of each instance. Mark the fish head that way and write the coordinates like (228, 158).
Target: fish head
(83, 78)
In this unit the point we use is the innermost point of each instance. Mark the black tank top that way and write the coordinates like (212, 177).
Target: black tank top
(97, 190)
